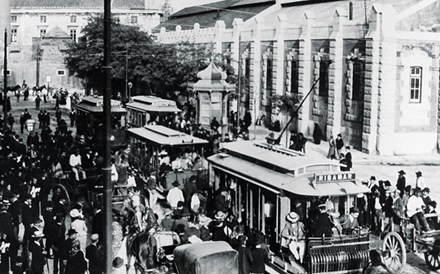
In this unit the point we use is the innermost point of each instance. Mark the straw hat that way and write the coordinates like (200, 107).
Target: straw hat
(220, 215)
(292, 217)
(37, 234)
(74, 213)
(204, 220)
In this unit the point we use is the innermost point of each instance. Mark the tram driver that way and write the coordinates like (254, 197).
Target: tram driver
(293, 236)
(323, 224)
(350, 222)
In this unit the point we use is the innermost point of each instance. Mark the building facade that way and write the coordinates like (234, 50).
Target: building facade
(32, 48)
(372, 67)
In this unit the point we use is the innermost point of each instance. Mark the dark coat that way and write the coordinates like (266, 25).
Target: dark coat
(76, 264)
(401, 184)
(38, 260)
(323, 225)
(245, 260)
(92, 256)
(6, 224)
(220, 203)
(260, 257)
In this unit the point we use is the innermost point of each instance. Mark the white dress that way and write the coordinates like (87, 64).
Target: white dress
(81, 229)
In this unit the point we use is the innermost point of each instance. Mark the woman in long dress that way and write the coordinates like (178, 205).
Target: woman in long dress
(331, 148)
(80, 226)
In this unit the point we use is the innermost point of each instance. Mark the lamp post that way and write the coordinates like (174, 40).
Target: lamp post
(130, 85)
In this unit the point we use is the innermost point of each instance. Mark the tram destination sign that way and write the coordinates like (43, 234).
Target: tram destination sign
(335, 177)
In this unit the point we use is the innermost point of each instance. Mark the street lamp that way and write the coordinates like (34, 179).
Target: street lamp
(130, 85)
(30, 125)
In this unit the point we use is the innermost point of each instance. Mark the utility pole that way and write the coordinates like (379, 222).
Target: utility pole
(126, 70)
(5, 80)
(106, 170)
(37, 83)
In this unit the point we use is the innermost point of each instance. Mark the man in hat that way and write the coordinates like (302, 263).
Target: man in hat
(66, 246)
(26, 216)
(204, 221)
(55, 240)
(245, 259)
(398, 209)
(350, 223)
(322, 224)
(221, 200)
(426, 198)
(6, 220)
(420, 181)
(76, 264)
(415, 210)
(189, 189)
(401, 181)
(36, 248)
(92, 255)
(175, 195)
(293, 236)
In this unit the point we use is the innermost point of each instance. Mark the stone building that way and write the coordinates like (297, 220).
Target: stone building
(31, 22)
(372, 66)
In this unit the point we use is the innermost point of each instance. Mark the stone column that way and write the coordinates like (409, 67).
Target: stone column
(387, 82)
(236, 24)
(305, 69)
(220, 27)
(255, 70)
(336, 73)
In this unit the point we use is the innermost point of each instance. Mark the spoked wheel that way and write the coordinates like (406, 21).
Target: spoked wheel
(394, 252)
(432, 257)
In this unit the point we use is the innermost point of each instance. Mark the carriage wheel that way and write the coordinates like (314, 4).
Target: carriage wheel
(432, 257)
(395, 252)
(64, 192)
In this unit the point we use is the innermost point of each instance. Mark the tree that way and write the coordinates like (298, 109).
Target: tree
(160, 69)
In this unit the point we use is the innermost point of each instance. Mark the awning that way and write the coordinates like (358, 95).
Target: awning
(164, 136)
(151, 108)
(305, 186)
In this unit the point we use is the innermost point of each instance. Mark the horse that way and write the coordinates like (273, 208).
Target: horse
(14, 88)
(138, 248)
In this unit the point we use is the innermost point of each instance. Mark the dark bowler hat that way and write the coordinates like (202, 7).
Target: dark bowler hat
(402, 172)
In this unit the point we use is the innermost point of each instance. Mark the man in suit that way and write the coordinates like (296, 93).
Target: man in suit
(92, 255)
(6, 220)
(55, 240)
(401, 182)
(348, 158)
(350, 223)
(36, 248)
(323, 224)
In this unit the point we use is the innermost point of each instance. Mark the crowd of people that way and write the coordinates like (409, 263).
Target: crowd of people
(387, 207)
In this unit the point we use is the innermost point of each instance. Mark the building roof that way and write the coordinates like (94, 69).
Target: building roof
(75, 4)
(56, 32)
(207, 15)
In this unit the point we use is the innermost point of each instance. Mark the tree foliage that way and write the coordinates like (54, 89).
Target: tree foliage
(287, 103)
(161, 69)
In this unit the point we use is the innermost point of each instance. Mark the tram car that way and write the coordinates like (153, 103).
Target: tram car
(267, 182)
(144, 109)
(90, 122)
(150, 144)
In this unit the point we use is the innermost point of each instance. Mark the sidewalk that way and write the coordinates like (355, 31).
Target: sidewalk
(359, 157)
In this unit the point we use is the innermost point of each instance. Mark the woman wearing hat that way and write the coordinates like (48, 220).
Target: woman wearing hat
(293, 236)
(80, 226)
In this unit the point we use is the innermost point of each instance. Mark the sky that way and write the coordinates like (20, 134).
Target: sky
(180, 4)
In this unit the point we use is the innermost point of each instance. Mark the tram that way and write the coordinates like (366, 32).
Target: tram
(148, 144)
(268, 181)
(90, 122)
(146, 109)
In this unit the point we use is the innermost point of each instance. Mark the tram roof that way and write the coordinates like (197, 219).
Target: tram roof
(148, 103)
(165, 136)
(95, 104)
(304, 184)
(274, 156)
